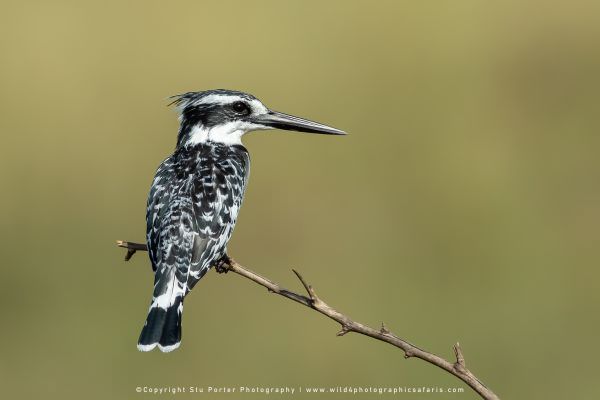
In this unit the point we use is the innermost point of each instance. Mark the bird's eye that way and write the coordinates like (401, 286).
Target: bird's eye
(240, 107)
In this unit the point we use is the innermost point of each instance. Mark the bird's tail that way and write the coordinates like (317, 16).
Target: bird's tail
(163, 324)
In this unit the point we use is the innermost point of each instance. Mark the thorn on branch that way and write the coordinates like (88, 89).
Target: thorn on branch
(383, 330)
(311, 292)
(459, 365)
(343, 331)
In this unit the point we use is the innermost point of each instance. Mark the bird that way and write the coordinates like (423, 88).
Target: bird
(195, 198)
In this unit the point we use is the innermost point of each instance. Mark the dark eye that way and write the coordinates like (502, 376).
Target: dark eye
(240, 107)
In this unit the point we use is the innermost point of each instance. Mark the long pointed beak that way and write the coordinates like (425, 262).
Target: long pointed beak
(278, 120)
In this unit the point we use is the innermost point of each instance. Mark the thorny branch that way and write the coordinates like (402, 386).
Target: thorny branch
(458, 368)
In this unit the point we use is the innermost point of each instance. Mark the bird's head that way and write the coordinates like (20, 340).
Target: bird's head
(224, 116)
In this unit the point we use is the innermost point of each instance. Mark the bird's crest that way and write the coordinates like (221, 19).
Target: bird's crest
(219, 96)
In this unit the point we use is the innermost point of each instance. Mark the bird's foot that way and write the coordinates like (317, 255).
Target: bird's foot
(222, 266)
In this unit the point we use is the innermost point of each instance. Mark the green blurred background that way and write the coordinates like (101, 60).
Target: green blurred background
(463, 206)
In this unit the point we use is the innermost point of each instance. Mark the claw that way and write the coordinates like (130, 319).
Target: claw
(222, 266)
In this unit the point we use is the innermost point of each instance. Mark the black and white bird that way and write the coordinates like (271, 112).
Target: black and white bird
(195, 198)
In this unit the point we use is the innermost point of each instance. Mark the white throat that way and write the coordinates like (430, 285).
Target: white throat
(229, 133)
(218, 134)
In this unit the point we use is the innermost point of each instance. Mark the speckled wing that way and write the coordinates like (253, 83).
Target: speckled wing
(218, 191)
(192, 208)
(170, 238)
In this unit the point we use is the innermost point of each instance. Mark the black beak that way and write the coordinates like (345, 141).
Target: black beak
(277, 120)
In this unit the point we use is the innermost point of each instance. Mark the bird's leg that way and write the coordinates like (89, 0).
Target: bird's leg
(222, 266)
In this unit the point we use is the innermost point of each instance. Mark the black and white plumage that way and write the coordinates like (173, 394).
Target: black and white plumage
(195, 198)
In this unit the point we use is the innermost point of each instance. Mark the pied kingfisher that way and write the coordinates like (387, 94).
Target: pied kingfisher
(195, 198)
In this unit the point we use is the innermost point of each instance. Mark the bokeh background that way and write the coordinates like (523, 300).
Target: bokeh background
(463, 206)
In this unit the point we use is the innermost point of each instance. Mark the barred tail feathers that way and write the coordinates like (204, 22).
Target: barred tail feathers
(163, 324)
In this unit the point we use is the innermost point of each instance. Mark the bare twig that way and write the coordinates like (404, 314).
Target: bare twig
(458, 369)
